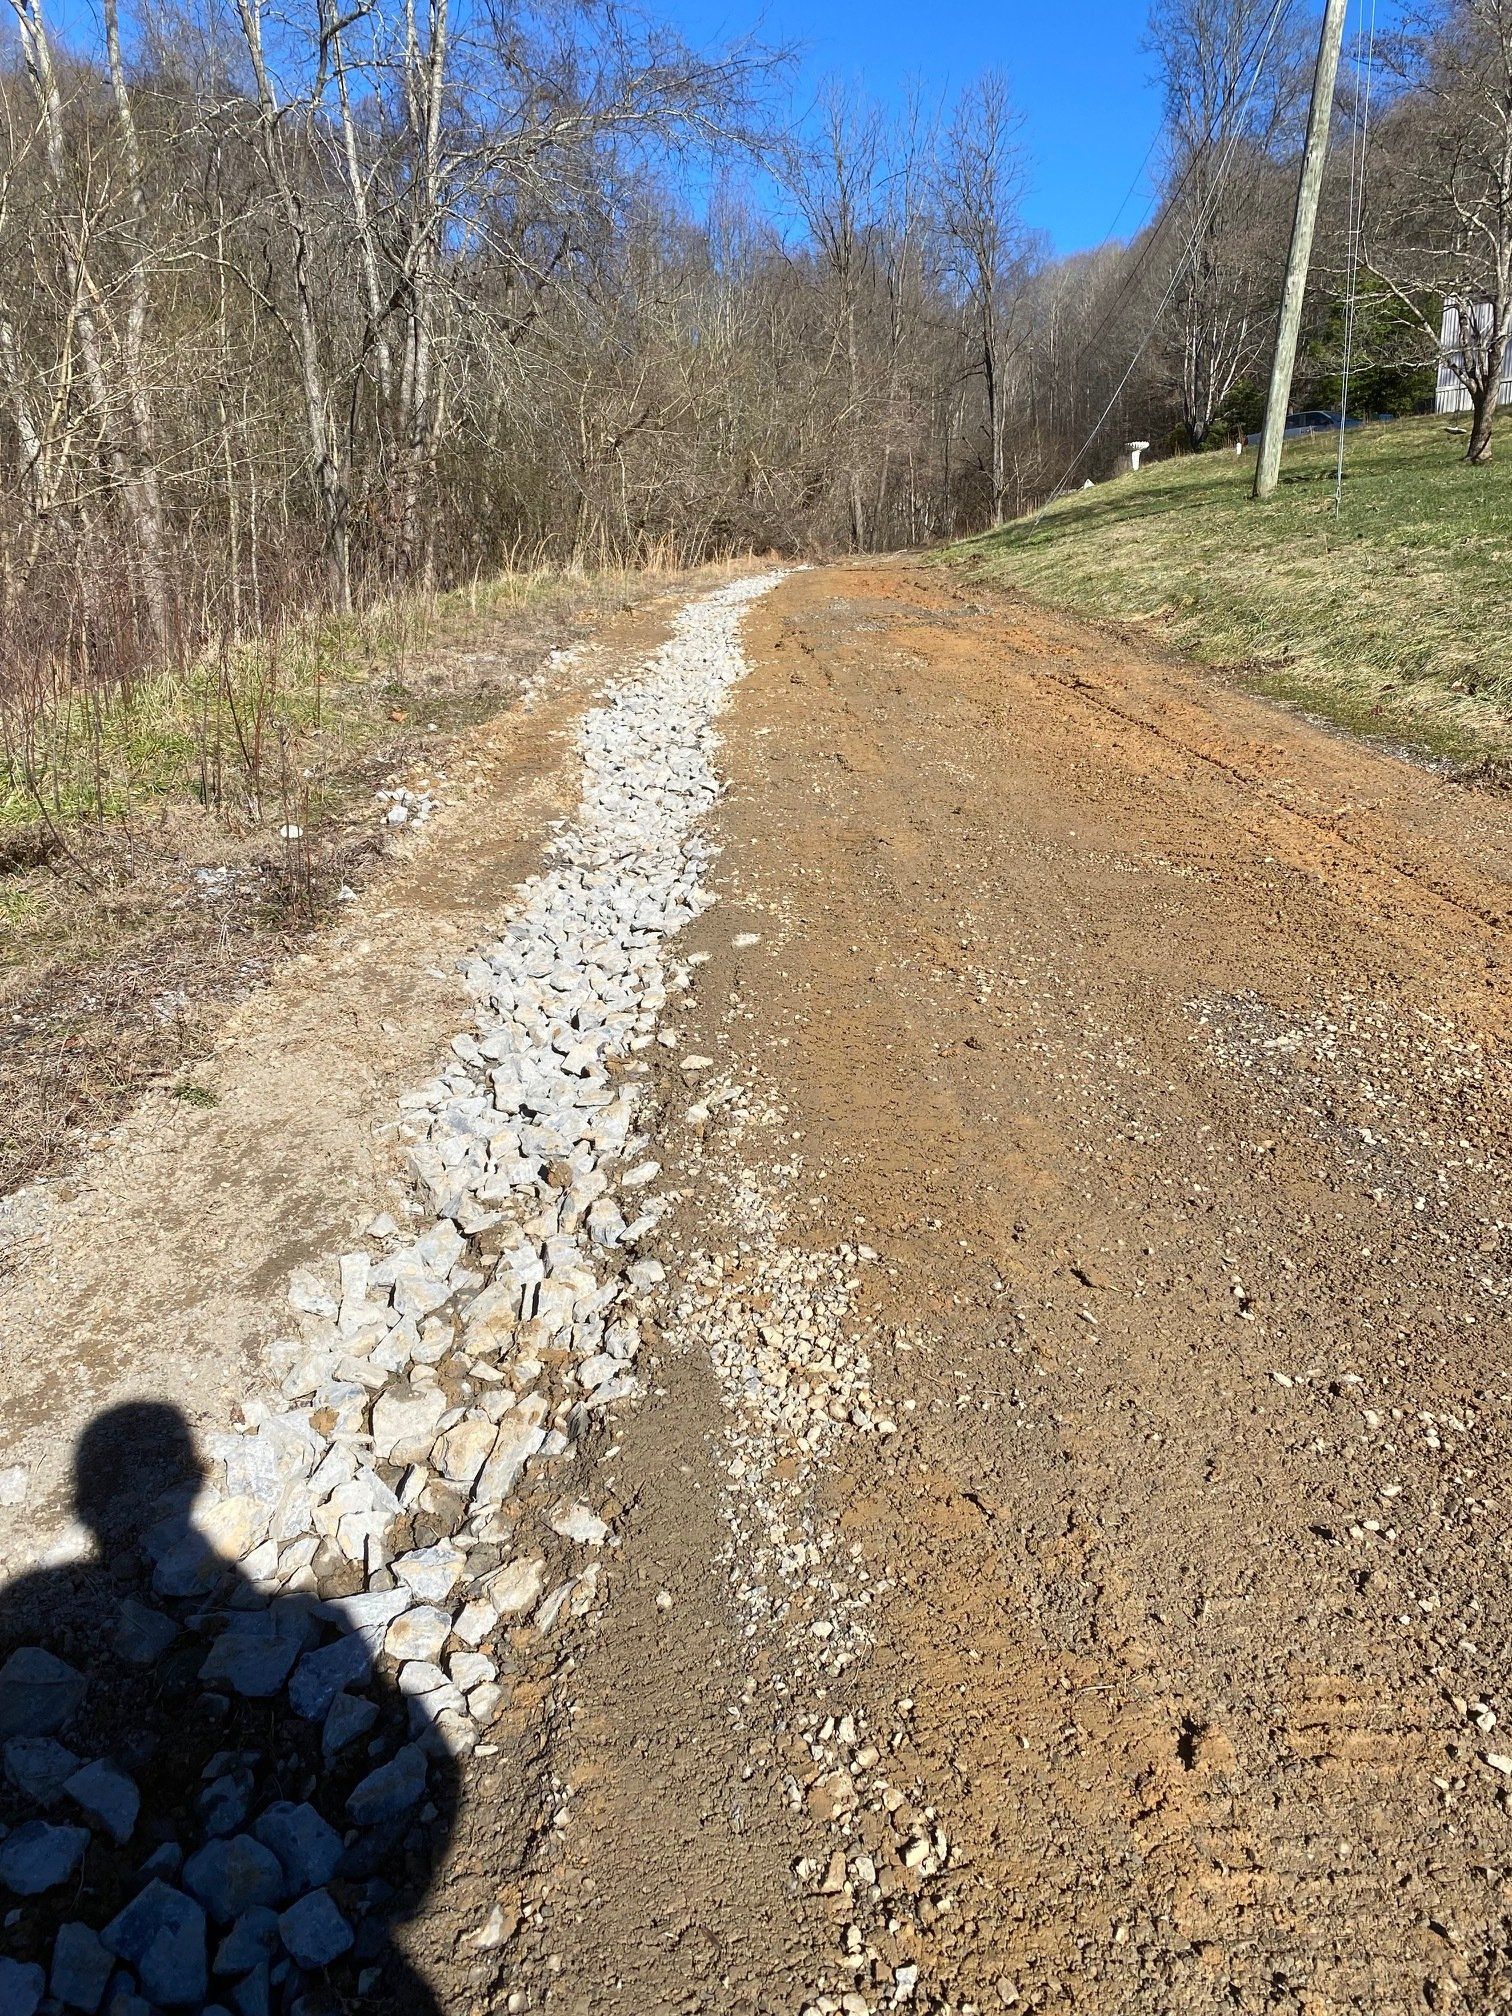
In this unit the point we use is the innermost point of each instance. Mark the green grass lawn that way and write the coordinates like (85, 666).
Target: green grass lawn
(1395, 618)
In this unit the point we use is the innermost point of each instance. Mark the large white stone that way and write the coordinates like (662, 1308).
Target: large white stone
(405, 1423)
(419, 1634)
(520, 1436)
(517, 1587)
(462, 1451)
(432, 1572)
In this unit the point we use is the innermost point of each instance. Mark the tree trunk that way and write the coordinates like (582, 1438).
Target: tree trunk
(1483, 402)
(330, 468)
(995, 427)
(146, 502)
(138, 496)
(425, 85)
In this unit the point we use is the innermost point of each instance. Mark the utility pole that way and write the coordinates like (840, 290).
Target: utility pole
(1268, 467)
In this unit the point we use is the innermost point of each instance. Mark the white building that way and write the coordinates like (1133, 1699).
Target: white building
(1451, 396)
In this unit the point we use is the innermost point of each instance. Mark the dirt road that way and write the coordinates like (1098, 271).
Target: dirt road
(1156, 1042)
(1060, 1557)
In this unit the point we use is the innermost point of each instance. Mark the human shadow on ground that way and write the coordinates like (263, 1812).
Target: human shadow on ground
(210, 1797)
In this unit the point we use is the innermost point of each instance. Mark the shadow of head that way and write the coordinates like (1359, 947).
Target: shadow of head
(131, 1464)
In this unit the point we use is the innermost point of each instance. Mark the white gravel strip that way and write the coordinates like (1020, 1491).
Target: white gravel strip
(427, 1360)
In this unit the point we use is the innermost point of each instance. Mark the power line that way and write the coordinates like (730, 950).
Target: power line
(1279, 9)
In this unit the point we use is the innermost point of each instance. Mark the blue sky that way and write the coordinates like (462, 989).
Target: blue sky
(1078, 73)
(1077, 69)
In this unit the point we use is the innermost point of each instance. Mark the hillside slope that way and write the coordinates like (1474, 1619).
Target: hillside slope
(1390, 618)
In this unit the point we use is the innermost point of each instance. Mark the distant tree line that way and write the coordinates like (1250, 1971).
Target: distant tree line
(300, 305)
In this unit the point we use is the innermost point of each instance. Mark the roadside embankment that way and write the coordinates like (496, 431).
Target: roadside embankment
(1387, 618)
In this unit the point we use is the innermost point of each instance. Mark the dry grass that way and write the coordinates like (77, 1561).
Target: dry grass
(145, 883)
(1391, 619)
(254, 728)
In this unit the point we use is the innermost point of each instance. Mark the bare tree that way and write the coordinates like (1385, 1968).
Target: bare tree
(275, 120)
(110, 362)
(296, 305)
(980, 186)
(1231, 91)
(836, 180)
(1438, 223)
(147, 492)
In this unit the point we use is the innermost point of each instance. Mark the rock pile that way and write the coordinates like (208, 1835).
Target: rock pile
(401, 806)
(399, 1508)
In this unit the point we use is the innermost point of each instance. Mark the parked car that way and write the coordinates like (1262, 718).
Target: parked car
(1313, 420)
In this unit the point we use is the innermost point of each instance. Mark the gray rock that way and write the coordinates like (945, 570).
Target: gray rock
(416, 1292)
(405, 1421)
(253, 1996)
(520, 1436)
(419, 1634)
(440, 1249)
(368, 1615)
(109, 1796)
(463, 1450)
(165, 1862)
(430, 1695)
(38, 1856)
(123, 2001)
(21, 1986)
(256, 1652)
(314, 1932)
(516, 1587)
(476, 1622)
(576, 1522)
(432, 1573)
(143, 1634)
(189, 1567)
(350, 1717)
(161, 1934)
(252, 1938)
(390, 1790)
(232, 1526)
(471, 1669)
(308, 1849)
(38, 1766)
(270, 1464)
(322, 1674)
(225, 1802)
(309, 1294)
(38, 1693)
(229, 1877)
(81, 1967)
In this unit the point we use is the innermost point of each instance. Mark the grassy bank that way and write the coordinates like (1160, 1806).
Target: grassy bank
(247, 731)
(1391, 620)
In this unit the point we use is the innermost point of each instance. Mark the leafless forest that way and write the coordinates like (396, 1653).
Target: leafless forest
(299, 305)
